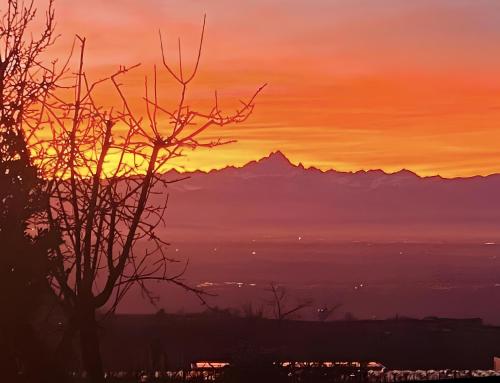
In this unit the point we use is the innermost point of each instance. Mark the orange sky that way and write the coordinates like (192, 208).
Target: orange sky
(353, 84)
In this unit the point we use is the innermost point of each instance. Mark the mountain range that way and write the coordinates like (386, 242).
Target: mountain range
(275, 199)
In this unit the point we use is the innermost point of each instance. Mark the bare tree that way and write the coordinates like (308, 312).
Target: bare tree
(24, 81)
(102, 166)
(279, 302)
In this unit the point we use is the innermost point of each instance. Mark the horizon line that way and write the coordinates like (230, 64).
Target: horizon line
(279, 152)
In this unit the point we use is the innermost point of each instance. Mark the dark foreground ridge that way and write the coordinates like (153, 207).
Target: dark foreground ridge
(166, 341)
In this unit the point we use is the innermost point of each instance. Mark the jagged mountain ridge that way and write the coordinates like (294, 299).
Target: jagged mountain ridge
(272, 197)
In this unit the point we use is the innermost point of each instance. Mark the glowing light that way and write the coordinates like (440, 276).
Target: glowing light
(209, 365)
(379, 93)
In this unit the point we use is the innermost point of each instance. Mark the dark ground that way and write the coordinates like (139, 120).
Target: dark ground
(452, 280)
(174, 341)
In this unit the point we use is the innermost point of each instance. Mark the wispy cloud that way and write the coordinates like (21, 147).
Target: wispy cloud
(364, 84)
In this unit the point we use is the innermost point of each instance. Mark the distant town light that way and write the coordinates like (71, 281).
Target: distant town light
(209, 365)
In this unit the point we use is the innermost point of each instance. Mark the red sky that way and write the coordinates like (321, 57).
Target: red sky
(353, 84)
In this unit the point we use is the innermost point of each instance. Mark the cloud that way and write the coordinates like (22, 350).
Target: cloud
(363, 83)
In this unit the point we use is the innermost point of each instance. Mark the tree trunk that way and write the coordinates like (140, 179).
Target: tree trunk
(89, 344)
(64, 355)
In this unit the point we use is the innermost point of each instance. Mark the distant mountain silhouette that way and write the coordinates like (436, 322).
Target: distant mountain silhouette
(274, 198)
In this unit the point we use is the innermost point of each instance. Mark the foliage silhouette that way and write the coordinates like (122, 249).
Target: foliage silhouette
(24, 265)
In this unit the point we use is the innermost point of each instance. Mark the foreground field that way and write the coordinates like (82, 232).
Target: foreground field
(370, 280)
(173, 342)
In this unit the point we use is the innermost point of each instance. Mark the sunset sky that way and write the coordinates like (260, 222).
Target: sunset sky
(353, 84)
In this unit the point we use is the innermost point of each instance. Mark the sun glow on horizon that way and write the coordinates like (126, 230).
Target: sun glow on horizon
(351, 86)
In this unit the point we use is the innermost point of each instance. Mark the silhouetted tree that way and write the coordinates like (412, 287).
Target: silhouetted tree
(279, 302)
(24, 81)
(249, 311)
(102, 166)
